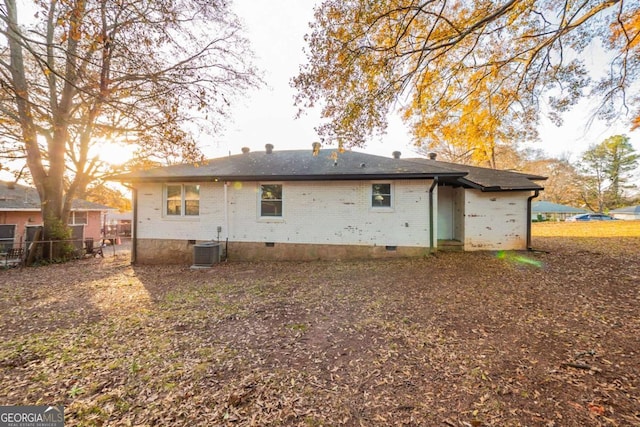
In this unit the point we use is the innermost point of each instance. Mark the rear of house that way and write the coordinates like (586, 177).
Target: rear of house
(292, 205)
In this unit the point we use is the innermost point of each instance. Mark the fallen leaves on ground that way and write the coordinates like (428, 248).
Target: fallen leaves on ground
(454, 339)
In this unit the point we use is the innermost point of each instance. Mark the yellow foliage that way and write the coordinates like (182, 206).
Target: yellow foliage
(466, 72)
(628, 29)
(587, 229)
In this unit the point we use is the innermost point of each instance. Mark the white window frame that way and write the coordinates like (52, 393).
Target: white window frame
(391, 196)
(183, 200)
(73, 221)
(274, 218)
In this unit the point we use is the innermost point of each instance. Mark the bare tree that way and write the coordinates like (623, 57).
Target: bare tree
(83, 71)
(563, 184)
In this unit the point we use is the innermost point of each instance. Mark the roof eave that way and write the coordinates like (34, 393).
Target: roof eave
(504, 189)
(19, 209)
(336, 177)
(497, 188)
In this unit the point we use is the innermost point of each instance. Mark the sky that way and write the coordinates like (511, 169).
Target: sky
(276, 29)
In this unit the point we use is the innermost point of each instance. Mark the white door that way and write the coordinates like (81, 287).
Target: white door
(446, 213)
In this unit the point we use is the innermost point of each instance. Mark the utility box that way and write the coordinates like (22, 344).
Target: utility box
(206, 254)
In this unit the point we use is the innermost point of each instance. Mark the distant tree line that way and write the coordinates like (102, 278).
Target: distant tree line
(600, 180)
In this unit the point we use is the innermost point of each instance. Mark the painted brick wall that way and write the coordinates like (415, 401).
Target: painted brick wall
(23, 218)
(323, 213)
(495, 221)
(152, 224)
(334, 213)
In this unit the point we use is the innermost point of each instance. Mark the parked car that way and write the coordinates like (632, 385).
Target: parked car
(590, 217)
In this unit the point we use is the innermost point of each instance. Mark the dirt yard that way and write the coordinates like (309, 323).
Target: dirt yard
(543, 338)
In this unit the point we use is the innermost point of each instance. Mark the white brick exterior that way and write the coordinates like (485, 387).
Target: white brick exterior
(317, 214)
(330, 212)
(495, 221)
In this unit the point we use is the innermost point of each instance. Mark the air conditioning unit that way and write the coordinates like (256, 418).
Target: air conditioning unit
(206, 254)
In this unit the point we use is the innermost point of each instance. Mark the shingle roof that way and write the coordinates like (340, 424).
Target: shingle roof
(627, 209)
(487, 179)
(292, 165)
(298, 165)
(16, 197)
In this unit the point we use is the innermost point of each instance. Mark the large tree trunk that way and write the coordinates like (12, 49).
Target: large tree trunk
(55, 229)
(62, 97)
(49, 179)
(53, 210)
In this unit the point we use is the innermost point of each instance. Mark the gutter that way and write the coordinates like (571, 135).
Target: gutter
(226, 220)
(134, 225)
(434, 184)
(134, 221)
(533, 196)
(284, 177)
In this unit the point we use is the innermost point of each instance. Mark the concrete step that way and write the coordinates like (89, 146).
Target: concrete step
(450, 245)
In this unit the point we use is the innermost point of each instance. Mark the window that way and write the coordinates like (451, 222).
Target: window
(271, 200)
(78, 217)
(182, 200)
(7, 234)
(381, 195)
(192, 200)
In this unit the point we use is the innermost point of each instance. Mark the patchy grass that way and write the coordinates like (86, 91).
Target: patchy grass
(546, 338)
(587, 229)
(615, 238)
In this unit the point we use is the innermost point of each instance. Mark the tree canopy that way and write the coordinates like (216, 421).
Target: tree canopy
(607, 168)
(474, 73)
(74, 74)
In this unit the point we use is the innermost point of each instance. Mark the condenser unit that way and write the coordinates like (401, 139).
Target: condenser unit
(206, 254)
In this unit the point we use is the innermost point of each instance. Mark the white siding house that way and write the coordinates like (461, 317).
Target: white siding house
(293, 205)
(630, 213)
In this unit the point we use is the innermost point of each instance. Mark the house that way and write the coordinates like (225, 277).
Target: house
(294, 205)
(628, 213)
(20, 212)
(544, 210)
(118, 224)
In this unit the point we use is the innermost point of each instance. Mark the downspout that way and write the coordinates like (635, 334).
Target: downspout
(134, 221)
(134, 224)
(535, 194)
(226, 221)
(434, 184)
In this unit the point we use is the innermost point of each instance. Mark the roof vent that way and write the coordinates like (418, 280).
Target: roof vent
(245, 150)
(269, 148)
(396, 154)
(432, 156)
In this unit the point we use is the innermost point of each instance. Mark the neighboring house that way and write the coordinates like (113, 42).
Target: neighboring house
(629, 213)
(20, 209)
(296, 206)
(118, 224)
(544, 211)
